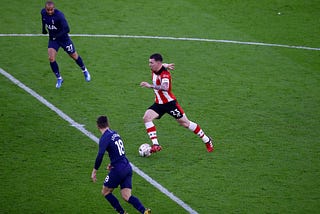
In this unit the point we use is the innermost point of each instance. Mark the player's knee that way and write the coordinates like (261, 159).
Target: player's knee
(184, 123)
(149, 116)
(145, 119)
(125, 197)
(105, 191)
(74, 55)
(52, 59)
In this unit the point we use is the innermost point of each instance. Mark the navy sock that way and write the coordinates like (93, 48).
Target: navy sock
(114, 202)
(80, 63)
(136, 203)
(55, 68)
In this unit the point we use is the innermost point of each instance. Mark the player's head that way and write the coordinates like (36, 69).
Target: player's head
(102, 122)
(156, 57)
(155, 62)
(49, 6)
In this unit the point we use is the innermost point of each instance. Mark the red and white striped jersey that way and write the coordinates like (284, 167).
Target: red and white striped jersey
(162, 97)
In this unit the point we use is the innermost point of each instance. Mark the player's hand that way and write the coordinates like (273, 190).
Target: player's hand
(145, 84)
(109, 167)
(94, 175)
(169, 66)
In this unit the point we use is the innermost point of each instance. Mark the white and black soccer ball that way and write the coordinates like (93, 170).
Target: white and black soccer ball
(144, 150)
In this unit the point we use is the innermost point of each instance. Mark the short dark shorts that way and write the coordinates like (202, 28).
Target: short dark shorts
(66, 44)
(119, 175)
(173, 108)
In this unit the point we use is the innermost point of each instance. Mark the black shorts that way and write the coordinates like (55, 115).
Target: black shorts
(119, 175)
(173, 108)
(67, 45)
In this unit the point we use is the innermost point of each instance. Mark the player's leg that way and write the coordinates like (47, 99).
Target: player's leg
(134, 201)
(70, 49)
(111, 182)
(196, 129)
(53, 48)
(178, 113)
(148, 118)
(52, 53)
(107, 193)
(126, 187)
(80, 63)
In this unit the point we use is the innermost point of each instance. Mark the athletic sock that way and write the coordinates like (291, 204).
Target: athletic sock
(81, 64)
(198, 131)
(152, 132)
(114, 202)
(55, 69)
(136, 204)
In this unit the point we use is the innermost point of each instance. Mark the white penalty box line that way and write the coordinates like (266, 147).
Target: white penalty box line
(95, 139)
(172, 38)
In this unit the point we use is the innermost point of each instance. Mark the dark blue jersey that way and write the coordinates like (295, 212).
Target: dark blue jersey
(111, 142)
(56, 24)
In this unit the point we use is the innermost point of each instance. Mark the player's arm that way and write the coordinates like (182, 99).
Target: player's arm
(163, 87)
(94, 175)
(97, 164)
(169, 66)
(99, 158)
(44, 30)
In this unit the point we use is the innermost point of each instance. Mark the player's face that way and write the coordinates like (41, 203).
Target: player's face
(155, 65)
(50, 9)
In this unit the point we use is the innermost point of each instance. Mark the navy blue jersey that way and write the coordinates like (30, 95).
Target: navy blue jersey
(111, 142)
(56, 24)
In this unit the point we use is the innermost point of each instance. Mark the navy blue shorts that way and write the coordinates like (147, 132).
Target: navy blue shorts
(173, 108)
(119, 175)
(67, 45)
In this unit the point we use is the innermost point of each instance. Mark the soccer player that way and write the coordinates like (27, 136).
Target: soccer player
(54, 20)
(166, 102)
(120, 170)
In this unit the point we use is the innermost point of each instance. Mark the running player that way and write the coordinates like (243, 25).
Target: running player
(166, 102)
(120, 170)
(54, 21)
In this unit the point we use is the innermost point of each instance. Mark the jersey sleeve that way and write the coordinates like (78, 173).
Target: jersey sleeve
(44, 30)
(165, 77)
(102, 150)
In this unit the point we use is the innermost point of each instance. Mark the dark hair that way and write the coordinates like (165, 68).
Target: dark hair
(49, 3)
(156, 57)
(102, 122)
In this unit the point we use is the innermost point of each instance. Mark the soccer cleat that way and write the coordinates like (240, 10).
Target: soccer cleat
(87, 76)
(155, 148)
(147, 211)
(209, 145)
(59, 83)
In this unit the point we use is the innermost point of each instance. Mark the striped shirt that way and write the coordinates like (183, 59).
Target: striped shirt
(162, 97)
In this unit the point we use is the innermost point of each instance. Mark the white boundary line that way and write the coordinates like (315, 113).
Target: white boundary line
(173, 38)
(95, 139)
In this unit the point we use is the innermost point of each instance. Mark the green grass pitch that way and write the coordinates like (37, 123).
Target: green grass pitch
(260, 103)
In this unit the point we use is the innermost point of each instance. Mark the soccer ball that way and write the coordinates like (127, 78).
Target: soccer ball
(144, 150)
